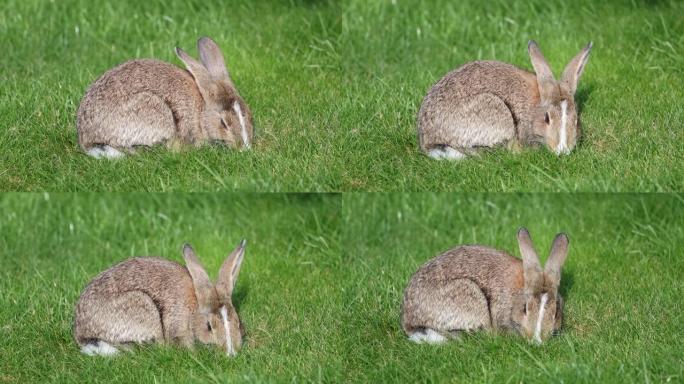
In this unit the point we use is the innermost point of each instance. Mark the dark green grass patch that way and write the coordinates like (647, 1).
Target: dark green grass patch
(621, 283)
(287, 294)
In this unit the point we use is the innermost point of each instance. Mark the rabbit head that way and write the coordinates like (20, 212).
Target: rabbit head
(216, 321)
(538, 312)
(226, 118)
(555, 120)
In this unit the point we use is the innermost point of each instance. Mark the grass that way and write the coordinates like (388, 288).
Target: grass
(335, 87)
(287, 293)
(321, 285)
(621, 283)
(627, 95)
(277, 52)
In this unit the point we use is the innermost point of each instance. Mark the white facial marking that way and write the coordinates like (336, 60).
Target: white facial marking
(243, 129)
(226, 326)
(429, 337)
(542, 308)
(562, 139)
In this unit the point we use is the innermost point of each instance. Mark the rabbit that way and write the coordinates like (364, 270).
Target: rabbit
(474, 287)
(154, 300)
(485, 104)
(146, 102)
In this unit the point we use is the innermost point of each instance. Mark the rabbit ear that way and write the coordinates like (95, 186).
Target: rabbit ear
(229, 271)
(545, 79)
(200, 73)
(212, 58)
(531, 267)
(574, 69)
(204, 290)
(559, 251)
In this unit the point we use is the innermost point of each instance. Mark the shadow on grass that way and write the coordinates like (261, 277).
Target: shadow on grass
(567, 281)
(239, 296)
(582, 95)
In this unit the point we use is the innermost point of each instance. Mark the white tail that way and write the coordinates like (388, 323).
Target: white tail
(100, 348)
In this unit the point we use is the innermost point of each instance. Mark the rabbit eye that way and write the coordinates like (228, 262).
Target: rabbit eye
(209, 326)
(547, 119)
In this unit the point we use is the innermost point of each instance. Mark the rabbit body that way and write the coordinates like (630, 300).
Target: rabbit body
(464, 289)
(475, 287)
(481, 104)
(485, 104)
(154, 300)
(120, 307)
(142, 103)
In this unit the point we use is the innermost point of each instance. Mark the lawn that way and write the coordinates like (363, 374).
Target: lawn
(629, 95)
(279, 55)
(621, 282)
(287, 294)
(322, 281)
(335, 87)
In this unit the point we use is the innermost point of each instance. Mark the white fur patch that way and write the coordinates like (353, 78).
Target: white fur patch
(542, 308)
(243, 129)
(563, 134)
(429, 337)
(226, 326)
(102, 348)
(447, 153)
(106, 152)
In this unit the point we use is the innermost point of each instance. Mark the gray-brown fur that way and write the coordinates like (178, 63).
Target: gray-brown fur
(154, 300)
(474, 287)
(146, 102)
(484, 104)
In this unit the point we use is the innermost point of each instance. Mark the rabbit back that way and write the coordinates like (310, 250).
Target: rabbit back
(466, 288)
(138, 300)
(140, 103)
(480, 104)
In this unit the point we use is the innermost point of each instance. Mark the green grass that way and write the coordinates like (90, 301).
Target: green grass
(287, 294)
(321, 285)
(279, 56)
(335, 87)
(621, 282)
(629, 96)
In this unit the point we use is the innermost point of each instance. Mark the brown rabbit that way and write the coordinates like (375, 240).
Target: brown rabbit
(476, 287)
(488, 103)
(147, 102)
(154, 300)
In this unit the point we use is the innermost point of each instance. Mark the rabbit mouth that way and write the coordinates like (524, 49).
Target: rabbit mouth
(562, 151)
